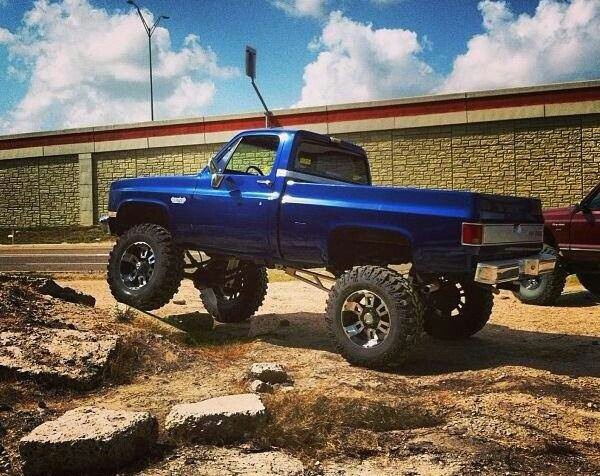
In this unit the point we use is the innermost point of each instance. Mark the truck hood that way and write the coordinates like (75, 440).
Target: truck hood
(562, 213)
(146, 182)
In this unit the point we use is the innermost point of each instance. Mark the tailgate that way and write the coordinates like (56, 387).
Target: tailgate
(505, 209)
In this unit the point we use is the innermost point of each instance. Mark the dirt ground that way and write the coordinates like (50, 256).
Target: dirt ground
(521, 397)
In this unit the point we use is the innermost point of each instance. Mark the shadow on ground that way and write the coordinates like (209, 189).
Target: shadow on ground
(496, 346)
(577, 299)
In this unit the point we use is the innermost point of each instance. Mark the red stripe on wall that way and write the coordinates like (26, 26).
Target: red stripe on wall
(342, 115)
(534, 98)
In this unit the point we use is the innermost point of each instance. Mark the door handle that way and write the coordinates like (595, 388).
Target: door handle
(265, 182)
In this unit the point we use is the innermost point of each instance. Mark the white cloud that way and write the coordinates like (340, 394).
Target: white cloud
(357, 63)
(5, 36)
(559, 42)
(301, 8)
(86, 66)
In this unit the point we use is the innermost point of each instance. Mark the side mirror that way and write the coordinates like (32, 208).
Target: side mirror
(216, 177)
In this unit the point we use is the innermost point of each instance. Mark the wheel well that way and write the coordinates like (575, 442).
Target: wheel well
(136, 213)
(549, 238)
(349, 247)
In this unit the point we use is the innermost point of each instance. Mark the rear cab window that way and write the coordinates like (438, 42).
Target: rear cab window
(331, 162)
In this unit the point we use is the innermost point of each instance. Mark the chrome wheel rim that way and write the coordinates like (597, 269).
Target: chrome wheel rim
(532, 284)
(137, 265)
(365, 319)
(232, 288)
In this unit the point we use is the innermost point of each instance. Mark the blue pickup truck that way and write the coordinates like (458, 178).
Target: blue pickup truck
(302, 201)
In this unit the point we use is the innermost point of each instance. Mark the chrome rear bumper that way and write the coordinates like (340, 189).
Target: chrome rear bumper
(495, 272)
(103, 222)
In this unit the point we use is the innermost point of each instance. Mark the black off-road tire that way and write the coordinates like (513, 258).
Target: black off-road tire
(591, 282)
(405, 314)
(168, 268)
(251, 296)
(471, 317)
(549, 286)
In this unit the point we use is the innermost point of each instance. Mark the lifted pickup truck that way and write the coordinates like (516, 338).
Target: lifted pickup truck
(299, 201)
(572, 234)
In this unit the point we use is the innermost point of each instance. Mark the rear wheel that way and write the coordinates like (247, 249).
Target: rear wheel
(591, 282)
(145, 267)
(374, 316)
(544, 290)
(457, 310)
(240, 295)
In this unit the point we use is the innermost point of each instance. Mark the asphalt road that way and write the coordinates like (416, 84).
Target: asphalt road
(54, 258)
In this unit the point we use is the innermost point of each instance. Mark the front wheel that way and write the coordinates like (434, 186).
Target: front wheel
(591, 282)
(457, 310)
(145, 267)
(374, 316)
(240, 295)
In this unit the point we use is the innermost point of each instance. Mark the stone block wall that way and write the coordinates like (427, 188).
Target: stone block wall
(59, 191)
(39, 192)
(556, 159)
(19, 197)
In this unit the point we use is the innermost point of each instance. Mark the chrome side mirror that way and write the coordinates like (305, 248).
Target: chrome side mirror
(215, 176)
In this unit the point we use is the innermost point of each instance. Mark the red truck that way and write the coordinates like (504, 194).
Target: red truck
(573, 235)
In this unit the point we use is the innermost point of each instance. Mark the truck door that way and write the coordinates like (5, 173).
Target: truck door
(239, 215)
(585, 230)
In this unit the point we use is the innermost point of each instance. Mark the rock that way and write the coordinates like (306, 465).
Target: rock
(258, 386)
(191, 321)
(262, 325)
(87, 440)
(68, 357)
(217, 420)
(268, 372)
(50, 288)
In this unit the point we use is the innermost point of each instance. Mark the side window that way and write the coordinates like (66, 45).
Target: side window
(256, 152)
(330, 162)
(594, 203)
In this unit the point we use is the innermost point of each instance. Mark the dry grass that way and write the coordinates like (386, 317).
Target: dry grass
(321, 426)
(123, 314)
(67, 234)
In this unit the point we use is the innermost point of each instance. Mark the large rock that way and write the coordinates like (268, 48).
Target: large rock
(57, 356)
(217, 420)
(268, 372)
(88, 440)
(263, 325)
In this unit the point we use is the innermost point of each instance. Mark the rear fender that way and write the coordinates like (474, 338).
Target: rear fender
(355, 245)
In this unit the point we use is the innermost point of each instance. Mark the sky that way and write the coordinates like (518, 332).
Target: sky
(75, 63)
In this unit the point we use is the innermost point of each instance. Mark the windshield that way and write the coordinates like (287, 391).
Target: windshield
(332, 162)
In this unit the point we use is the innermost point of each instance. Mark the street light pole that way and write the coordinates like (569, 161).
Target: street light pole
(149, 31)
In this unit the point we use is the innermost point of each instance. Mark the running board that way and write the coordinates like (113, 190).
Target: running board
(310, 277)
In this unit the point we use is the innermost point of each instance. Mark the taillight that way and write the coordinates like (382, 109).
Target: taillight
(472, 234)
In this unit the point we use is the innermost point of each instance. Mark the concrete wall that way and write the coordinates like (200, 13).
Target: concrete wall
(542, 148)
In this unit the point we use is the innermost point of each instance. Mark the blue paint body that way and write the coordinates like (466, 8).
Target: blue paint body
(290, 222)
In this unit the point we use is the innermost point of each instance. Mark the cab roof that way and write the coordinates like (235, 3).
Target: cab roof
(313, 136)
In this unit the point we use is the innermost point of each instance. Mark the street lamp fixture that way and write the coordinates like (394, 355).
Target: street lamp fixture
(149, 31)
